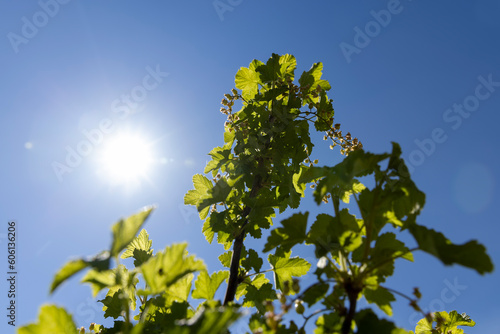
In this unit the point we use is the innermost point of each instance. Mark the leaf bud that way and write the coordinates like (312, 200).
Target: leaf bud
(299, 307)
(227, 96)
(286, 287)
(234, 92)
(269, 306)
(416, 293)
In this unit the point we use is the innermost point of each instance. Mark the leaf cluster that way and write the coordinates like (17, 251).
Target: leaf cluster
(261, 170)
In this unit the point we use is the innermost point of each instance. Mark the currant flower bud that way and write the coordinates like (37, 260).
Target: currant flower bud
(286, 287)
(299, 307)
(295, 285)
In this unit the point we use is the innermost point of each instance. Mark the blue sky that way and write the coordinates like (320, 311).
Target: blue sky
(423, 74)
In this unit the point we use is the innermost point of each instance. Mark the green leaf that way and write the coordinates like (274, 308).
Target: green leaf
(207, 321)
(139, 249)
(257, 282)
(100, 280)
(293, 232)
(247, 79)
(195, 197)
(315, 293)
(225, 258)
(180, 290)
(69, 269)
(285, 268)
(206, 286)
(115, 303)
(252, 260)
(333, 233)
(99, 262)
(382, 297)
(51, 320)
(448, 323)
(471, 254)
(165, 268)
(367, 322)
(257, 296)
(328, 323)
(125, 230)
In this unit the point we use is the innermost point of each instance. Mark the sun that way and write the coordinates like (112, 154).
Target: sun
(125, 159)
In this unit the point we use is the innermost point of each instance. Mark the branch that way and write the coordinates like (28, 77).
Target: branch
(233, 281)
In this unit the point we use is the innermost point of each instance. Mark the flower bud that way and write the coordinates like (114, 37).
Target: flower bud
(299, 307)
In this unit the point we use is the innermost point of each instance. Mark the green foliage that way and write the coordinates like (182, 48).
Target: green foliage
(262, 170)
(446, 323)
(51, 320)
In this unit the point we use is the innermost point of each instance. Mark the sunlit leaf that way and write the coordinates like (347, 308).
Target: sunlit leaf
(51, 320)
(126, 229)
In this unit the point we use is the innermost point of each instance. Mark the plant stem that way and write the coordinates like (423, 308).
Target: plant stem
(352, 294)
(232, 283)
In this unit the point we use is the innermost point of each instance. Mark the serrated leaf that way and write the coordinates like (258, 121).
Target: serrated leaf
(382, 297)
(51, 319)
(225, 258)
(285, 268)
(292, 233)
(69, 269)
(139, 249)
(99, 262)
(367, 322)
(257, 296)
(196, 196)
(448, 323)
(247, 79)
(114, 304)
(207, 321)
(99, 280)
(206, 286)
(180, 290)
(165, 268)
(471, 254)
(257, 282)
(315, 293)
(252, 260)
(126, 229)
(333, 233)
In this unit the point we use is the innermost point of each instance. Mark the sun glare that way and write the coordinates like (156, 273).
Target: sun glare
(126, 159)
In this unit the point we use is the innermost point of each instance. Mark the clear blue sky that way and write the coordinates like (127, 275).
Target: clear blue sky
(427, 77)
